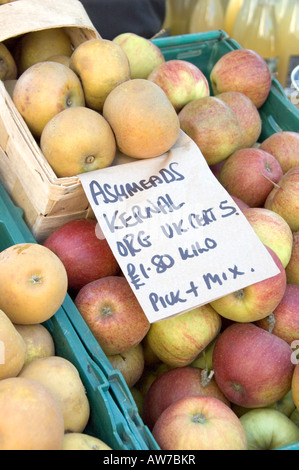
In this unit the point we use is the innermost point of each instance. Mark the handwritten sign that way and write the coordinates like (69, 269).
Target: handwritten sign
(179, 238)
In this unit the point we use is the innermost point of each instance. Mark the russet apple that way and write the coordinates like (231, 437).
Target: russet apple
(284, 145)
(8, 67)
(252, 367)
(284, 320)
(249, 174)
(284, 198)
(101, 65)
(272, 230)
(292, 268)
(255, 301)
(178, 340)
(199, 423)
(175, 384)
(85, 256)
(113, 314)
(13, 348)
(213, 126)
(144, 56)
(181, 80)
(242, 70)
(82, 441)
(44, 90)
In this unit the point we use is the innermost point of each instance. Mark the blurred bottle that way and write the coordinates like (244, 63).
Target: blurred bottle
(243, 20)
(231, 14)
(288, 43)
(179, 14)
(167, 20)
(208, 15)
(280, 9)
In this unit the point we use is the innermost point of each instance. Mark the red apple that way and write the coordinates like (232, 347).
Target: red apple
(181, 80)
(241, 204)
(284, 321)
(272, 230)
(242, 70)
(284, 198)
(247, 113)
(252, 367)
(255, 301)
(175, 384)
(199, 423)
(249, 174)
(86, 257)
(295, 386)
(213, 126)
(113, 314)
(284, 145)
(292, 269)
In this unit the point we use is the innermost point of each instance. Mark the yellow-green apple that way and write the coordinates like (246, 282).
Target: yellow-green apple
(199, 423)
(252, 367)
(178, 340)
(295, 416)
(255, 301)
(44, 90)
(78, 140)
(149, 375)
(285, 405)
(284, 145)
(247, 114)
(284, 320)
(85, 256)
(204, 359)
(150, 357)
(242, 70)
(113, 313)
(213, 126)
(8, 67)
(268, 429)
(175, 384)
(181, 80)
(292, 269)
(295, 386)
(144, 56)
(101, 65)
(272, 230)
(284, 198)
(249, 174)
(130, 363)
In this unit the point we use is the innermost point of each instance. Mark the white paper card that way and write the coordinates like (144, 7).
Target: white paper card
(179, 238)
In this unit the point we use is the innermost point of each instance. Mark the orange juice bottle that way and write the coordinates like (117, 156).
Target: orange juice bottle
(262, 35)
(207, 15)
(288, 43)
(231, 14)
(243, 20)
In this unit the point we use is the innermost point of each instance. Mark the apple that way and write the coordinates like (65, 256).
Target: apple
(178, 340)
(268, 429)
(204, 359)
(144, 56)
(181, 80)
(284, 198)
(241, 204)
(292, 269)
(295, 386)
(199, 423)
(249, 174)
(8, 68)
(242, 70)
(272, 230)
(252, 367)
(82, 441)
(85, 256)
(284, 145)
(101, 65)
(175, 384)
(130, 363)
(295, 416)
(78, 140)
(284, 320)
(213, 126)
(113, 314)
(247, 114)
(285, 405)
(43, 90)
(255, 301)
(149, 375)
(150, 358)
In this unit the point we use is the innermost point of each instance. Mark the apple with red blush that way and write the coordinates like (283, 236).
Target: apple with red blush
(284, 145)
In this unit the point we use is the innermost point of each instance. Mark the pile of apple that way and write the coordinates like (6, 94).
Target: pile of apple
(224, 375)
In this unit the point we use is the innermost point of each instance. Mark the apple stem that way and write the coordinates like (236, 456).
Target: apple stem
(206, 377)
(273, 182)
(159, 33)
(271, 322)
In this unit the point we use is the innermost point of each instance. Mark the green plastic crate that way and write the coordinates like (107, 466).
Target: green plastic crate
(205, 49)
(114, 417)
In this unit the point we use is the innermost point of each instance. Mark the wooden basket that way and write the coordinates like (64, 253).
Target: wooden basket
(47, 201)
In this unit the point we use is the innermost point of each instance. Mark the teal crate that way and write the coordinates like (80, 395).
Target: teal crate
(205, 49)
(114, 416)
